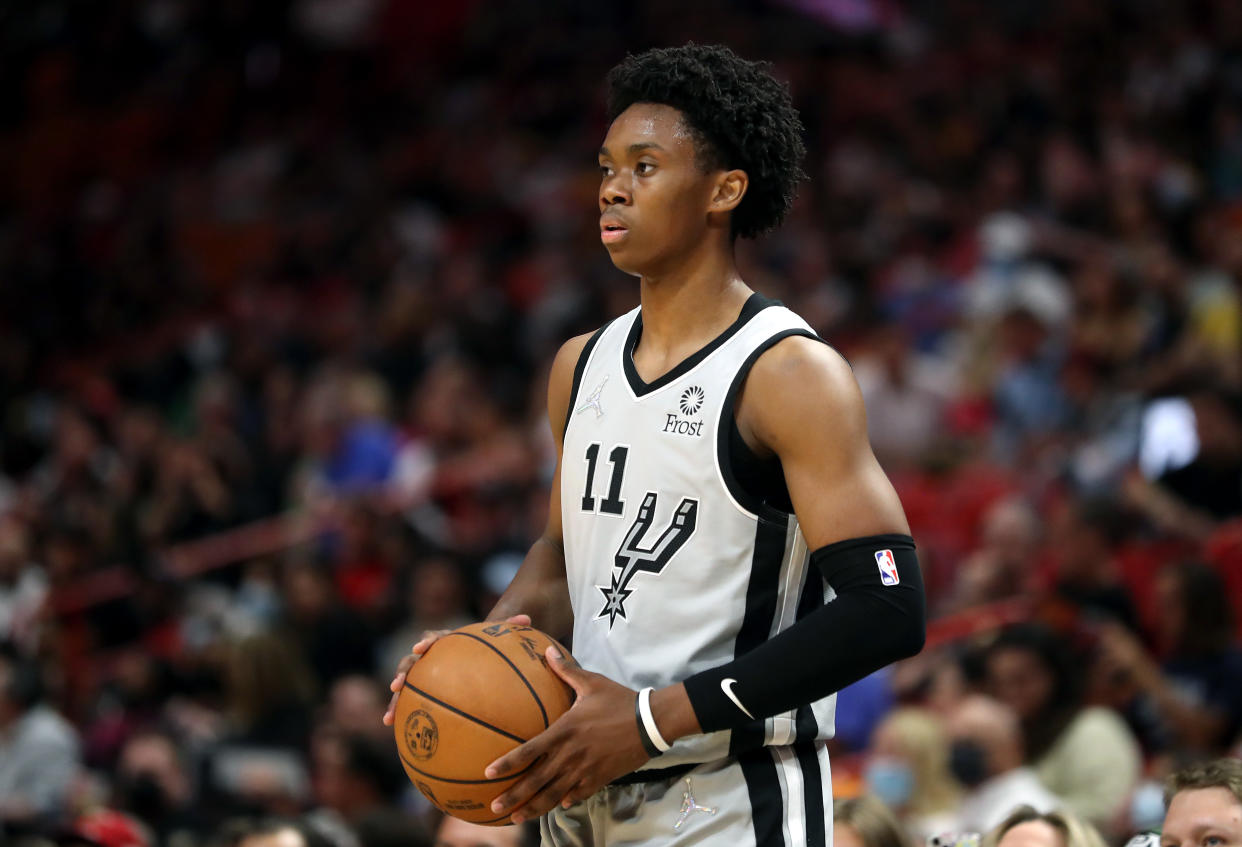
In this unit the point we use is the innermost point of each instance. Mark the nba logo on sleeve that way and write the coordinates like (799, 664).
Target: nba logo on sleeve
(888, 567)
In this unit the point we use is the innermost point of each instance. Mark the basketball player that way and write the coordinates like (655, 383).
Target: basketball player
(722, 544)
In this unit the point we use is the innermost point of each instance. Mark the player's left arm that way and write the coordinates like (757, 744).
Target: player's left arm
(801, 403)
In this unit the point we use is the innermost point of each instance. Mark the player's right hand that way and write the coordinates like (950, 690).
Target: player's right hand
(416, 652)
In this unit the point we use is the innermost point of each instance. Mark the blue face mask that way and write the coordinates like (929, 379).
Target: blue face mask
(1147, 806)
(891, 780)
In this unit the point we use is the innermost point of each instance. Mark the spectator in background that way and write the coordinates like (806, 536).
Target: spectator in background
(23, 586)
(1204, 804)
(436, 599)
(1028, 398)
(358, 779)
(259, 760)
(905, 393)
(860, 708)
(353, 703)
(270, 691)
(987, 757)
(865, 821)
(1108, 327)
(1210, 486)
(154, 783)
(334, 639)
(1026, 827)
(1087, 756)
(1005, 564)
(350, 447)
(1084, 539)
(908, 769)
(39, 750)
(189, 496)
(1195, 691)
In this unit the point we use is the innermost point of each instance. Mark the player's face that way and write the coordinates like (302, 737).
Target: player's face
(654, 196)
(1203, 817)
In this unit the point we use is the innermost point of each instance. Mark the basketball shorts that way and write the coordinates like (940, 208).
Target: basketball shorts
(771, 797)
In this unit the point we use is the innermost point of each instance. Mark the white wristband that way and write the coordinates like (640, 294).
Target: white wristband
(649, 724)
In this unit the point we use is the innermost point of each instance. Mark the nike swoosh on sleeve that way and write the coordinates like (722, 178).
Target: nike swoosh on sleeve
(726, 685)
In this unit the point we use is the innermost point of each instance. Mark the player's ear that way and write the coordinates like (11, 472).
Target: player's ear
(729, 190)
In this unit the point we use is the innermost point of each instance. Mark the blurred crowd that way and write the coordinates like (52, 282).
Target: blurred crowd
(281, 283)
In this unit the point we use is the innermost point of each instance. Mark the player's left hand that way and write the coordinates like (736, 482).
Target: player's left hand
(590, 745)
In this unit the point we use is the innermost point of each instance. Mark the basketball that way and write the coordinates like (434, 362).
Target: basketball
(478, 692)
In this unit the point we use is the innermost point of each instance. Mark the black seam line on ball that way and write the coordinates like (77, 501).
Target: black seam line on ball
(465, 715)
(509, 662)
(430, 775)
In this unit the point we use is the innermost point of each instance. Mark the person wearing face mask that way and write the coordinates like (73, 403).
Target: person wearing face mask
(154, 784)
(1086, 755)
(909, 770)
(986, 755)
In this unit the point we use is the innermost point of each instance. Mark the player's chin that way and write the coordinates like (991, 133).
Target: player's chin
(625, 258)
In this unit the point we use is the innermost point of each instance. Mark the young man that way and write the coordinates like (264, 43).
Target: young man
(714, 490)
(1204, 805)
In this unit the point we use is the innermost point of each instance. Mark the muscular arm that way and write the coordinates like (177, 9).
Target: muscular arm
(539, 588)
(801, 403)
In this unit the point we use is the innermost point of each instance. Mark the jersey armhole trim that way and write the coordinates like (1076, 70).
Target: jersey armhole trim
(579, 370)
(740, 495)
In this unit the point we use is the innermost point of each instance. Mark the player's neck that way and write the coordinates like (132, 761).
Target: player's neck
(689, 306)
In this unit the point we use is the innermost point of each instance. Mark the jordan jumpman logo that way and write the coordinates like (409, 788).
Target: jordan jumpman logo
(688, 805)
(592, 401)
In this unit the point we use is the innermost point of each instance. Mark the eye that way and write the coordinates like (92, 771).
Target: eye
(644, 168)
(1213, 840)
(604, 170)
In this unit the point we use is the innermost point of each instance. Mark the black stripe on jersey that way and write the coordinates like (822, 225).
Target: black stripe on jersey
(813, 792)
(760, 611)
(754, 304)
(746, 498)
(579, 369)
(767, 802)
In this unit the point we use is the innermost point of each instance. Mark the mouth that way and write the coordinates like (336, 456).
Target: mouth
(610, 231)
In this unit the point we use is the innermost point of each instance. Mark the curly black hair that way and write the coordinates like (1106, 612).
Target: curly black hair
(740, 116)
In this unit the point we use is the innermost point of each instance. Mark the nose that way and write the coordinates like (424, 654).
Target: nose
(612, 193)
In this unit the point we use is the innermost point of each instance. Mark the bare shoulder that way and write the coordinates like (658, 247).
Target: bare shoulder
(801, 385)
(561, 381)
(802, 403)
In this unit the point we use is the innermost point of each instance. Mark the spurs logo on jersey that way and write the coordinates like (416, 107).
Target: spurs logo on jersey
(632, 557)
(672, 567)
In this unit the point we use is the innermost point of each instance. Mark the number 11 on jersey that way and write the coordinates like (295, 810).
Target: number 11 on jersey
(612, 504)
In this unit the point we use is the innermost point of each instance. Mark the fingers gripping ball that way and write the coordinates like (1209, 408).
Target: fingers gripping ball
(479, 692)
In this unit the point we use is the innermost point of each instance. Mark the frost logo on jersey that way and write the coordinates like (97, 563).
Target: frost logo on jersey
(632, 557)
(691, 402)
(888, 567)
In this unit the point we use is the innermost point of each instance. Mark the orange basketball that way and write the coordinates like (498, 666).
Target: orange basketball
(479, 692)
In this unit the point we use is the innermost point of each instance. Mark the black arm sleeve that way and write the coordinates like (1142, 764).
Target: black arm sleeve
(872, 621)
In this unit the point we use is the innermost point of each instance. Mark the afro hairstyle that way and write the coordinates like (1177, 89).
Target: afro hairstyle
(740, 116)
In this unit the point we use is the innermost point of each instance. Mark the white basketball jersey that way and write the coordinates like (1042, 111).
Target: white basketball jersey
(673, 568)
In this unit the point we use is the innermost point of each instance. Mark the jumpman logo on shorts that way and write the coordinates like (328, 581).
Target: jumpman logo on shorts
(689, 804)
